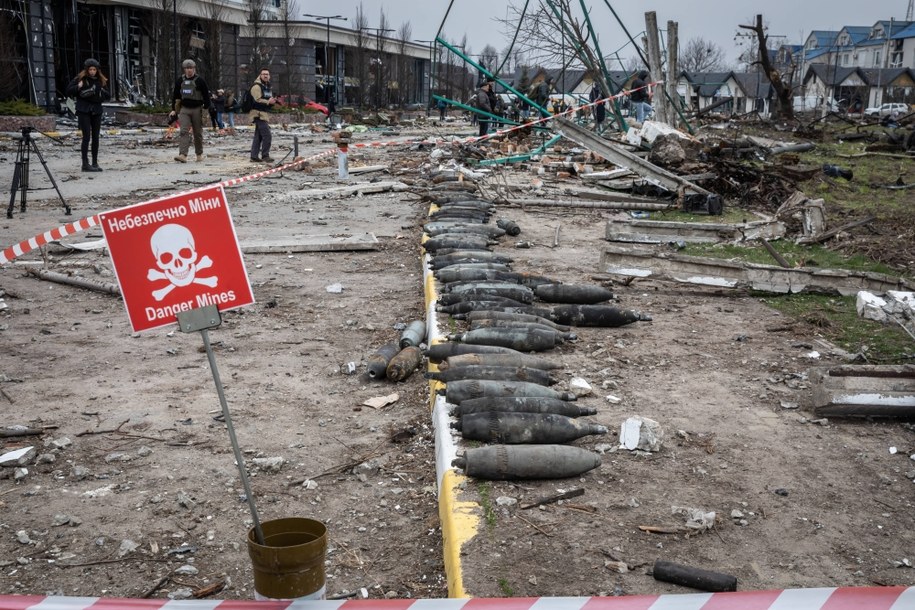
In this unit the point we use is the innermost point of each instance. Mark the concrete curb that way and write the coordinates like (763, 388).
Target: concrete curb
(460, 520)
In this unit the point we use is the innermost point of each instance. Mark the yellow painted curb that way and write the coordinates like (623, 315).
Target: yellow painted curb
(460, 520)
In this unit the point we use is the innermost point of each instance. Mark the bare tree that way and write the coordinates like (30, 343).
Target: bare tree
(215, 15)
(489, 58)
(165, 49)
(380, 62)
(260, 54)
(290, 80)
(701, 55)
(360, 55)
(782, 88)
(405, 76)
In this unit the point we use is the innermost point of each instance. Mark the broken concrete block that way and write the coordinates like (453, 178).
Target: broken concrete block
(579, 386)
(899, 302)
(870, 306)
(641, 433)
(269, 464)
(18, 457)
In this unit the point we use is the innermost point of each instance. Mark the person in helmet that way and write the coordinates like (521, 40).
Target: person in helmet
(90, 88)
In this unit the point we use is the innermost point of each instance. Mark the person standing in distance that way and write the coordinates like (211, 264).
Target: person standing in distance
(485, 104)
(260, 115)
(189, 99)
(640, 96)
(90, 88)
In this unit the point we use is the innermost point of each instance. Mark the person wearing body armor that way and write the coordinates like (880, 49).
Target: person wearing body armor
(260, 115)
(189, 99)
(90, 88)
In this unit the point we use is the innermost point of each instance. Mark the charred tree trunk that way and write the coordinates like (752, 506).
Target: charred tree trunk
(782, 91)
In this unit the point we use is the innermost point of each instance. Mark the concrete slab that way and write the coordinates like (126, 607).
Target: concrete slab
(863, 391)
(662, 231)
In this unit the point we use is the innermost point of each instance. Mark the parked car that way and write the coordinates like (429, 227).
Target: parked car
(887, 109)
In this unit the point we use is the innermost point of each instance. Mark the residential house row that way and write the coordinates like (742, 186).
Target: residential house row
(886, 44)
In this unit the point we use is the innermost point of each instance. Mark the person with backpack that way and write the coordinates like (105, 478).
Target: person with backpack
(190, 98)
(259, 99)
(90, 88)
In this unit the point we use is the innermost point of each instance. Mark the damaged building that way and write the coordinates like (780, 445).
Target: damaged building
(140, 44)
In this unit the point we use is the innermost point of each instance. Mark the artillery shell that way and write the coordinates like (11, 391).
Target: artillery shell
(521, 317)
(465, 389)
(522, 404)
(452, 240)
(594, 315)
(706, 580)
(496, 373)
(439, 228)
(523, 340)
(517, 428)
(572, 293)
(510, 462)
(510, 226)
(404, 363)
(486, 303)
(378, 362)
(413, 334)
(440, 351)
(519, 359)
(560, 336)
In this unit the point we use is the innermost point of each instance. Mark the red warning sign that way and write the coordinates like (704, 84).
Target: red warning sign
(176, 254)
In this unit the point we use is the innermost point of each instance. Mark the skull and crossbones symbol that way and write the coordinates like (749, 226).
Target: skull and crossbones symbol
(177, 260)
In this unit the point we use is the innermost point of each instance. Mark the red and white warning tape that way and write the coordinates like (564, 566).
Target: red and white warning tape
(845, 598)
(28, 245)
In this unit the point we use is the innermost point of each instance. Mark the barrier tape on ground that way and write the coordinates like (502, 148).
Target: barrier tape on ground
(842, 598)
(82, 224)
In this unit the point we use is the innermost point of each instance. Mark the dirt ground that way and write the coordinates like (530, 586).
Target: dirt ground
(135, 491)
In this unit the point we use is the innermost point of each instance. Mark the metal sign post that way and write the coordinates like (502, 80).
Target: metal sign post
(203, 319)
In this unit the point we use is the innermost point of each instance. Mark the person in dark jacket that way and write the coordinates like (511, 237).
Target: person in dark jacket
(219, 109)
(640, 96)
(600, 110)
(90, 88)
(190, 98)
(484, 104)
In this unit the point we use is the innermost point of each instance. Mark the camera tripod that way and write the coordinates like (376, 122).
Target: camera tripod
(21, 172)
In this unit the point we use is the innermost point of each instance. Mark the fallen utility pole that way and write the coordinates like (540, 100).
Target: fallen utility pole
(595, 205)
(623, 158)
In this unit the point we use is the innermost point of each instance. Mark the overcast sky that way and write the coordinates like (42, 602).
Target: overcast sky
(714, 20)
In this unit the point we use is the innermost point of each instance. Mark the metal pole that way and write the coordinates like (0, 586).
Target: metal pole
(327, 65)
(239, 460)
(175, 32)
